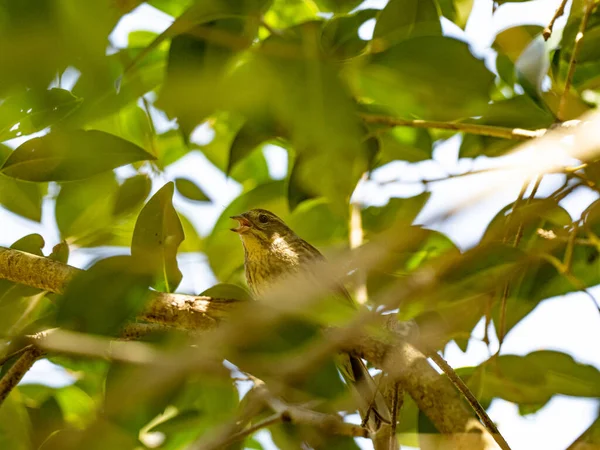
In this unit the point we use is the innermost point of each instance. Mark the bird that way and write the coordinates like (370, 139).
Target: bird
(272, 250)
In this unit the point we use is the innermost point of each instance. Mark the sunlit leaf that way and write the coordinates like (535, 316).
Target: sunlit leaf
(404, 19)
(156, 238)
(131, 194)
(32, 111)
(190, 190)
(340, 38)
(80, 212)
(406, 78)
(457, 11)
(71, 155)
(22, 198)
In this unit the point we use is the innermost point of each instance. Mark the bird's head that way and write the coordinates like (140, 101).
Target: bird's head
(262, 226)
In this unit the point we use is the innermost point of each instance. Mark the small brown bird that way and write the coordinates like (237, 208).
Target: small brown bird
(272, 250)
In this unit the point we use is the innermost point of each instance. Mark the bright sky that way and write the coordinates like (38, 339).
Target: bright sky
(569, 324)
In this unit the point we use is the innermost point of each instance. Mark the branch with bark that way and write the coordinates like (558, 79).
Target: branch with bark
(434, 394)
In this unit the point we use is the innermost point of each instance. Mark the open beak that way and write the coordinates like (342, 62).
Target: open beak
(244, 224)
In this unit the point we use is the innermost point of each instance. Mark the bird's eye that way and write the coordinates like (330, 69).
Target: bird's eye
(263, 218)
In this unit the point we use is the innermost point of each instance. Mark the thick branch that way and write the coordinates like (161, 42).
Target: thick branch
(471, 128)
(183, 311)
(434, 394)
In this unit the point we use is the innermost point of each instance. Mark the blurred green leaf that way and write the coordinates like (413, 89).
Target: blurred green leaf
(519, 111)
(457, 11)
(78, 408)
(513, 40)
(378, 218)
(192, 242)
(33, 110)
(22, 198)
(287, 13)
(101, 299)
(337, 6)
(71, 155)
(535, 378)
(340, 38)
(15, 427)
(84, 208)
(156, 238)
(252, 133)
(252, 170)
(406, 78)
(196, 66)
(404, 19)
(131, 194)
(60, 252)
(224, 290)
(190, 190)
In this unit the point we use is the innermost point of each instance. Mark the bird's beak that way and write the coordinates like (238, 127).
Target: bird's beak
(244, 224)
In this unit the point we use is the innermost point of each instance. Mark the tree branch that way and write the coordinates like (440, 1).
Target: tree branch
(16, 372)
(559, 12)
(189, 312)
(434, 394)
(471, 128)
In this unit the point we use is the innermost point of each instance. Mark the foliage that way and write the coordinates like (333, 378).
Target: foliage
(85, 140)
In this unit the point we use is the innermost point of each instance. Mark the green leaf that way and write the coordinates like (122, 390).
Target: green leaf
(78, 408)
(250, 171)
(379, 218)
(190, 190)
(192, 242)
(516, 112)
(22, 198)
(202, 403)
(60, 252)
(404, 19)
(103, 298)
(15, 427)
(535, 378)
(457, 11)
(196, 67)
(156, 238)
(71, 155)
(337, 6)
(131, 194)
(82, 214)
(512, 41)
(224, 290)
(407, 79)
(252, 133)
(34, 110)
(303, 95)
(340, 39)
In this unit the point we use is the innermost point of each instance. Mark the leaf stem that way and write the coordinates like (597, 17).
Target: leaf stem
(471, 128)
(589, 6)
(558, 13)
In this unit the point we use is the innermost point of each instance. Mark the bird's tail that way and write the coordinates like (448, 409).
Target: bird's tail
(372, 406)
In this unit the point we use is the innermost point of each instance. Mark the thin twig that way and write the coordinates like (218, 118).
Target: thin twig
(271, 420)
(558, 13)
(589, 6)
(16, 372)
(471, 128)
(468, 395)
